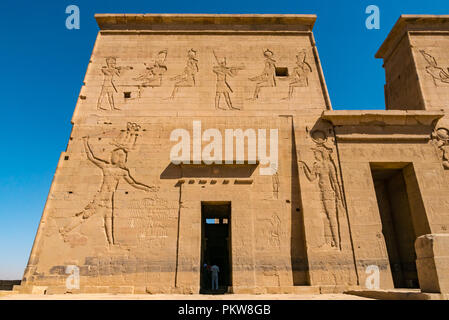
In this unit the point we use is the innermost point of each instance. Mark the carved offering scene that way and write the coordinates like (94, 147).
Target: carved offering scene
(149, 79)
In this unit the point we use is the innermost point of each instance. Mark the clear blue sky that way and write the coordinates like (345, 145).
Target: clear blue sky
(43, 66)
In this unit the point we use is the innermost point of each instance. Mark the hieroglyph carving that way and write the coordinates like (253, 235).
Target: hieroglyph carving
(438, 74)
(187, 77)
(300, 74)
(114, 171)
(222, 71)
(275, 184)
(109, 88)
(150, 219)
(440, 138)
(268, 76)
(275, 233)
(325, 170)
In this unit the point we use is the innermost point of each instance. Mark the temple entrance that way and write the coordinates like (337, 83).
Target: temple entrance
(215, 246)
(403, 219)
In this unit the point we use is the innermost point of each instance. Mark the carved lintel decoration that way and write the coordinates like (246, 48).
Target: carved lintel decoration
(440, 138)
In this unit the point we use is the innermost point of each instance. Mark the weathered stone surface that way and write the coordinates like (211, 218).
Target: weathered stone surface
(432, 251)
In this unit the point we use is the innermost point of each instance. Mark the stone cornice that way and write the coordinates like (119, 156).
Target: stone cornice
(387, 126)
(248, 22)
(381, 117)
(409, 23)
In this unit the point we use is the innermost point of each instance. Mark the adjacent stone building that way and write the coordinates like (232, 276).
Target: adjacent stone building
(319, 201)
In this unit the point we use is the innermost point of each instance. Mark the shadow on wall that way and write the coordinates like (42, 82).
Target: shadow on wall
(208, 171)
(300, 269)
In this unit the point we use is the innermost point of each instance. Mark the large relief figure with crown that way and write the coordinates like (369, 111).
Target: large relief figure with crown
(324, 171)
(114, 171)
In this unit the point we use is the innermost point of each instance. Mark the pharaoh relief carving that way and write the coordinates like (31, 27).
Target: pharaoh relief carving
(268, 76)
(440, 138)
(109, 88)
(223, 89)
(187, 77)
(114, 170)
(300, 75)
(153, 75)
(324, 170)
(439, 75)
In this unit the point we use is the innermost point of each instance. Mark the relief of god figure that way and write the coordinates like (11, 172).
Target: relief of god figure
(325, 171)
(300, 76)
(187, 77)
(440, 138)
(268, 76)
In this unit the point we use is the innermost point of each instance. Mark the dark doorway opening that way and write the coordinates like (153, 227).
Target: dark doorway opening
(403, 218)
(216, 245)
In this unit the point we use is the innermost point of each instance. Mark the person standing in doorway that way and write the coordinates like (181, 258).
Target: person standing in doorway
(215, 270)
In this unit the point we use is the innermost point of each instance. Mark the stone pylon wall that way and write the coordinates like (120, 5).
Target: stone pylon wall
(130, 220)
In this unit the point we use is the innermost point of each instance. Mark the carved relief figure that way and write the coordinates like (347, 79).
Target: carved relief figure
(114, 171)
(275, 234)
(438, 74)
(152, 77)
(275, 182)
(300, 75)
(440, 138)
(325, 170)
(187, 77)
(268, 76)
(222, 86)
(108, 88)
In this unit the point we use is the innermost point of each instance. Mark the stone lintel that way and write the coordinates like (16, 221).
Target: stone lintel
(247, 22)
(407, 23)
(381, 117)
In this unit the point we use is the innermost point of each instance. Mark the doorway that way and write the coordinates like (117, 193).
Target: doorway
(215, 245)
(403, 218)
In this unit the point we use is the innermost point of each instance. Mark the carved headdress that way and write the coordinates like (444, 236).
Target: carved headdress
(127, 138)
(191, 54)
(269, 54)
(161, 56)
(111, 59)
